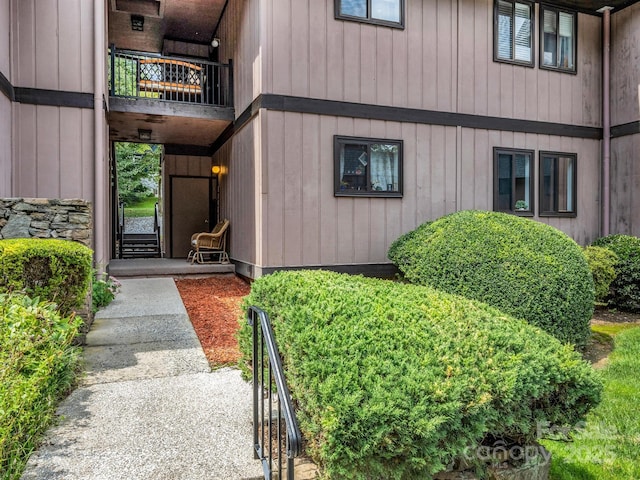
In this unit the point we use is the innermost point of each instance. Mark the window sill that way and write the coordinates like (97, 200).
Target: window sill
(559, 70)
(516, 63)
(558, 215)
(379, 23)
(368, 194)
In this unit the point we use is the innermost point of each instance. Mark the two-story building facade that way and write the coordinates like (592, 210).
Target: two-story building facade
(337, 125)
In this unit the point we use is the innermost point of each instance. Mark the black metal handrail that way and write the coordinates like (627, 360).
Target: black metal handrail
(120, 228)
(271, 433)
(156, 228)
(178, 79)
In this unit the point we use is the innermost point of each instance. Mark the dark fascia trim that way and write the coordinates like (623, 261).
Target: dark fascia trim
(248, 113)
(7, 88)
(55, 98)
(625, 129)
(286, 103)
(193, 150)
(383, 270)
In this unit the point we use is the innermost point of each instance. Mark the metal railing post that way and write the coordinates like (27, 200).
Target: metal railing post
(258, 319)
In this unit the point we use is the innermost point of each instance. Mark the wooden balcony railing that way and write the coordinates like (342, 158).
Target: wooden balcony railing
(175, 79)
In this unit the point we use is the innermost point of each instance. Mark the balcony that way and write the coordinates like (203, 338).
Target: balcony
(174, 100)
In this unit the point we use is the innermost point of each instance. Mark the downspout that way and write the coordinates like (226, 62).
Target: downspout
(606, 119)
(100, 184)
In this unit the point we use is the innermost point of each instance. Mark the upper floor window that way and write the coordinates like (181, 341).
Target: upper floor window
(557, 184)
(558, 37)
(382, 12)
(513, 181)
(367, 167)
(513, 35)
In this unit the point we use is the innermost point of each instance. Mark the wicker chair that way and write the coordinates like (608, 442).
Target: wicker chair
(211, 244)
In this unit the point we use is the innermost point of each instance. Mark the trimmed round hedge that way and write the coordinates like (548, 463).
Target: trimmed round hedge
(396, 381)
(625, 289)
(51, 269)
(524, 268)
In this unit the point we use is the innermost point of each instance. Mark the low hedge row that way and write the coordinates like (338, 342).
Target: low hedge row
(394, 381)
(524, 268)
(56, 270)
(625, 289)
(37, 366)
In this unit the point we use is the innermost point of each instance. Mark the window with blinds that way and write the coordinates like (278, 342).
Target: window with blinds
(380, 12)
(513, 38)
(558, 34)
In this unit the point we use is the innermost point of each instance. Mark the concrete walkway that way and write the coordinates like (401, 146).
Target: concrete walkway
(149, 407)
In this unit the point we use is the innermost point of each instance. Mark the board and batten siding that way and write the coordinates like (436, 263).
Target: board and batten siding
(625, 65)
(6, 143)
(53, 152)
(445, 169)
(242, 35)
(442, 60)
(53, 45)
(625, 185)
(625, 108)
(5, 38)
(240, 196)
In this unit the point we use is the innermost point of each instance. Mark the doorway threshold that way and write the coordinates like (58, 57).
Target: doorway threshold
(156, 267)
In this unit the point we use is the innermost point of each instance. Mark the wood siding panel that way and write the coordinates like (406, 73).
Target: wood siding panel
(6, 145)
(53, 46)
(625, 65)
(442, 60)
(241, 31)
(625, 185)
(5, 38)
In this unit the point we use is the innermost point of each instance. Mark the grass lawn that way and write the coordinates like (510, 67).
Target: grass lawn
(143, 208)
(608, 447)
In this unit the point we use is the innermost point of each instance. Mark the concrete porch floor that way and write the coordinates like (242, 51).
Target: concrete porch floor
(154, 267)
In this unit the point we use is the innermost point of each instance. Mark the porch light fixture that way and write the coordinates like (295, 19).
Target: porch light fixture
(144, 135)
(137, 23)
(215, 43)
(216, 170)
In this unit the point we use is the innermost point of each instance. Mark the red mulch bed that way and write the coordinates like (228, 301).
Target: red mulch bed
(213, 305)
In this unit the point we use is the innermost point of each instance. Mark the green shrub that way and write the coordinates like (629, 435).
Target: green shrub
(524, 268)
(37, 366)
(395, 381)
(56, 270)
(625, 289)
(602, 262)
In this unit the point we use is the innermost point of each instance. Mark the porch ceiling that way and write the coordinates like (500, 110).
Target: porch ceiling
(594, 5)
(177, 125)
(191, 21)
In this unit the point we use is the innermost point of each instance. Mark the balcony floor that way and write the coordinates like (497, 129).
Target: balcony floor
(169, 122)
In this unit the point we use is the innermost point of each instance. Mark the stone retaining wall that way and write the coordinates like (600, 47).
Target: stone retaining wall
(67, 219)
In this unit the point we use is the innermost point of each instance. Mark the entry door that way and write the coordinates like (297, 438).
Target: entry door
(190, 200)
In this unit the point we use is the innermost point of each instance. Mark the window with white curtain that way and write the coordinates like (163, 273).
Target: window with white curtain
(558, 184)
(558, 36)
(513, 32)
(367, 167)
(513, 181)
(381, 12)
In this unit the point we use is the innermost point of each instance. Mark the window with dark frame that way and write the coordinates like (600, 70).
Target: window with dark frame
(513, 181)
(380, 12)
(558, 30)
(558, 184)
(367, 167)
(513, 32)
